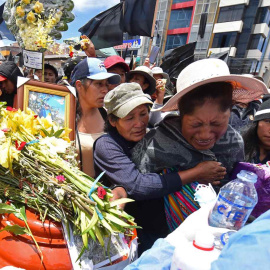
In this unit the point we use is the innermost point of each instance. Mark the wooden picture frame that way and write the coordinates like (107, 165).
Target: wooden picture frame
(44, 98)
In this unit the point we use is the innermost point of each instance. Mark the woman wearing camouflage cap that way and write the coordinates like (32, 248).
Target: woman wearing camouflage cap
(128, 114)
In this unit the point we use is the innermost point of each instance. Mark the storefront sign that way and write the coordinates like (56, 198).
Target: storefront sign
(130, 44)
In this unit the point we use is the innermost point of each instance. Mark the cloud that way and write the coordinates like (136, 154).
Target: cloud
(83, 5)
(60, 101)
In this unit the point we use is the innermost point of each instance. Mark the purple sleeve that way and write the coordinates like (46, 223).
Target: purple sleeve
(120, 170)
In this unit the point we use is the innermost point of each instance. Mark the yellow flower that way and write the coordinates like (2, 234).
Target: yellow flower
(26, 1)
(31, 17)
(5, 151)
(58, 15)
(38, 7)
(20, 11)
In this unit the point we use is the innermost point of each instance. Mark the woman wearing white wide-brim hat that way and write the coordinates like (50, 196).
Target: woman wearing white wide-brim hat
(200, 136)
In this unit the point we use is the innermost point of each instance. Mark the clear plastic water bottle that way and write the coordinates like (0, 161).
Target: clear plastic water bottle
(235, 202)
(222, 239)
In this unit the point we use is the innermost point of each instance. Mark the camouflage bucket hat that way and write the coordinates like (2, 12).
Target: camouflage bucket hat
(124, 98)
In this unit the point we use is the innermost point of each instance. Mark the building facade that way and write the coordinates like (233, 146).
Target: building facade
(242, 30)
(180, 22)
(204, 19)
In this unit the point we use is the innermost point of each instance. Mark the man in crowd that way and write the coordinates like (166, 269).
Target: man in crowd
(9, 73)
(50, 73)
(116, 64)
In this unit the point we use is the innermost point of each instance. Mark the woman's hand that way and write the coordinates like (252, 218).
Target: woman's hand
(210, 172)
(119, 193)
(205, 172)
(160, 91)
(87, 46)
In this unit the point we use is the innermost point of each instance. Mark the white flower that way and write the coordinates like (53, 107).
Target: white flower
(2, 137)
(56, 145)
(59, 193)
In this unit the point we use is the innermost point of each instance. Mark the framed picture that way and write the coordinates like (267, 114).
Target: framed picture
(46, 98)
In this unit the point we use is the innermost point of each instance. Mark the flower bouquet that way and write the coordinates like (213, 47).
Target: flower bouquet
(36, 23)
(38, 169)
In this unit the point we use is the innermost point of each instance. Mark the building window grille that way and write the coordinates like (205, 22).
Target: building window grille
(257, 42)
(180, 18)
(174, 41)
(222, 40)
(231, 13)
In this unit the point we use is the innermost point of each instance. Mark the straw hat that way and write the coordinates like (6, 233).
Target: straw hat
(245, 89)
(148, 74)
(159, 70)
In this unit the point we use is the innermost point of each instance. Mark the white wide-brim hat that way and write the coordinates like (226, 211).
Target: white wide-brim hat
(245, 89)
(159, 70)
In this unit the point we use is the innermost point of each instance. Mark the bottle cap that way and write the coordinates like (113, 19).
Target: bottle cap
(204, 240)
(247, 176)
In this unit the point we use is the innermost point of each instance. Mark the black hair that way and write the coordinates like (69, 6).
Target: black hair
(251, 141)
(219, 91)
(78, 105)
(70, 65)
(52, 68)
(108, 127)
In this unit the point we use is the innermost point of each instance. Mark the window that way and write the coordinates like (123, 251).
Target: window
(180, 18)
(174, 41)
(205, 6)
(231, 13)
(222, 40)
(257, 42)
(181, 1)
(263, 15)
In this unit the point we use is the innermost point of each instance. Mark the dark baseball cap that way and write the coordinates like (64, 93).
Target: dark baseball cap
(94, 69)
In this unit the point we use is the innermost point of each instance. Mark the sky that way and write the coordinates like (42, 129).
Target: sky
(84, 10)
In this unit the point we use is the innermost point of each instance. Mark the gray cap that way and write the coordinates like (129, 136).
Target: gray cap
(124, 98)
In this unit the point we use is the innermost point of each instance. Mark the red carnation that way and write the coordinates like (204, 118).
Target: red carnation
(11, 109)
(21, 146)
(101, 192)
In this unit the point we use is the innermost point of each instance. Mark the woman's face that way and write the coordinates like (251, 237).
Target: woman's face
(133, 126)
(263, 132)
(121, 72)
(93, 92)
(205, 126)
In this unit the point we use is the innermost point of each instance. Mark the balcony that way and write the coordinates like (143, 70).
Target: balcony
(235, 26)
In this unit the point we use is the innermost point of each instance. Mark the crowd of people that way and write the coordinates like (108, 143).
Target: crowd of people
(155, 144)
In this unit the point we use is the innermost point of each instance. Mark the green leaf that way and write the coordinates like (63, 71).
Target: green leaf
(52, 132)
(99, 235)
(120, 201)
(107, 226)
(92, 223)
(92, 234)
(45, 132)
(16, 229)
(115, 219)
(81, 253)
(23, 214)
(83, 227)
(121, 213)
(7, 209)
(58, 133)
